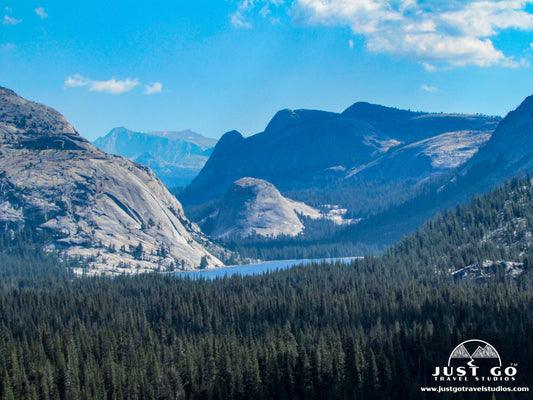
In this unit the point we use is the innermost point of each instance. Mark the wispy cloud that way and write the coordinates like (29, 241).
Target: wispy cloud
(242, 17)
(112, 86)
(427, 88)
(41, 13)
(153, 88)
(429, 67)
(7, 47)
(239, 19)
(351, 43)
(449, 32)
(10, 20)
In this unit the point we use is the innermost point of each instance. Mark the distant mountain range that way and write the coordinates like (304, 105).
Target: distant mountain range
(367, 160)
(175, 157)
(365, 176)
(317, 153)
(105, 209)
(391, 169)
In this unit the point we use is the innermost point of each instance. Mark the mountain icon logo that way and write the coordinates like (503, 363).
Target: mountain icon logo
(475, 362)
(474, 349)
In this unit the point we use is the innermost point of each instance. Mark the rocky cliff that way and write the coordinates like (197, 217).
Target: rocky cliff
(255, 207)
(110, 211)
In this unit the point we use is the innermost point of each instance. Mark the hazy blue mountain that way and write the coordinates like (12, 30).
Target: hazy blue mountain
(509, 151)
(175, 157)
(305, 150)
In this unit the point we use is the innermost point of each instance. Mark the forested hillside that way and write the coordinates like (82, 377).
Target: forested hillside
(24, 262)
(374, 329)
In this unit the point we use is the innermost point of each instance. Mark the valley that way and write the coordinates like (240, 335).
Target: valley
(440, 262)
(314, 184)
(266, 200)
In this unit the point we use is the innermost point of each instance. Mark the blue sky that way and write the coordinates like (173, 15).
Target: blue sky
(217, 65)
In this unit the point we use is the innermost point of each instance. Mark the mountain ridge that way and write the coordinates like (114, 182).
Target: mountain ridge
(304, 149)
(176, 157)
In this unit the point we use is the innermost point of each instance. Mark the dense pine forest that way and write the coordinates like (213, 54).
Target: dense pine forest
(372, 329)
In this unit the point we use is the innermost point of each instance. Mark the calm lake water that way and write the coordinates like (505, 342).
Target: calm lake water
(254, 269)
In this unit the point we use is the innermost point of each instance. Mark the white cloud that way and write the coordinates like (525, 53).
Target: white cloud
(10, 20)
(112, 86)
(76, 80)
(485, 18)
(351, 43)
(427, 88)
(454, 33)
(152, 88)
(265, 11)
(41, 13)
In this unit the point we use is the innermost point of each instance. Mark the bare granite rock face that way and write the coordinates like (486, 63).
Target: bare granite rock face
(426, 158)
(106, 209)
(254, 206)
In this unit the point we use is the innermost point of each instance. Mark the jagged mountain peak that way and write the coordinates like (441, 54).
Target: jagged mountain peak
(24, 116)
(119, 130)
(176, 157)
(523, 114)
(6, 92)
(229, 140)
(185, 136)
(301, 149)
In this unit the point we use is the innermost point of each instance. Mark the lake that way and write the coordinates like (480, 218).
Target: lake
(255, 269)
